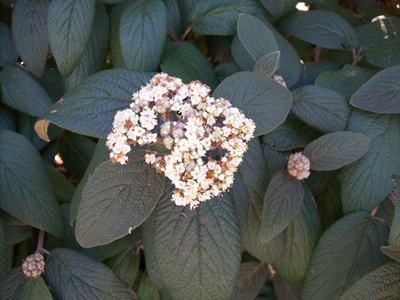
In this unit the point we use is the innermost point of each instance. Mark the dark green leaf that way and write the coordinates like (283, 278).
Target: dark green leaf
(126, 265)
(29, 30)
(92, 60)
(174, 16)
(394, 236)
(274, 161)
(301, 237)
(12, 286)
(117, 199)
(25, 190)
(15, 230)
(219, 17)
(285, 291)
(185, 61)
(22, 92)
(111, 1)
(100, 155)
(69, 24)
(322, 28)
(392, 251)
(226, 69)
(260, 98)
(76, 152)
(380, 94)
(8, 54)
(160, 148)
(349, 16)
(273, 7)
(3, 251)
(335, 150)
(248, 190)
(35, 289)
(329, 204)
(51, 81)
(63, 189)
(321, 108)
(282, 201)
(198, 250)
(73, 275)
(383, 53)
(257, 38)
(381, 28)
(382, 283)
(143, 30)
(318, 181)
(90, 107)
(347, 251)
(268, 64)
(115, 42)
(241, 55)
(7, 117)
(386, 211)
(147, 290)
(366, 182)
(249, 280)
(346, 80)
(291, 134)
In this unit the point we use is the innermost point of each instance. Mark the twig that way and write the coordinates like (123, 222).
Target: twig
(173, 35)
(317, 52)
(40, 248)
(18, 64)
(186, 32)
(373, 213)
(356, 56)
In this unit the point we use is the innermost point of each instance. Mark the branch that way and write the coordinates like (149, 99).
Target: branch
(172, 35)
(186, 32)
(317, 52)
(356, 56)
(40, 248)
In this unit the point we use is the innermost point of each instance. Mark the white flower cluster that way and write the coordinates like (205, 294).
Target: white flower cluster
(193, 123)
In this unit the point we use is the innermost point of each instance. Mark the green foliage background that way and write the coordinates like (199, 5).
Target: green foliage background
(112, 231)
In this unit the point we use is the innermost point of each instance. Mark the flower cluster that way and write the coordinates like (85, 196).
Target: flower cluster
(193, 124)
(299, 166)
(33, 266)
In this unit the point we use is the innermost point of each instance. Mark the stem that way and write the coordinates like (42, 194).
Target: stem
(172, 35)
(40, 244)
(373, 213)
(186, 32)
(317, 52)
(392, 196)
(356, 57)
(18, 64)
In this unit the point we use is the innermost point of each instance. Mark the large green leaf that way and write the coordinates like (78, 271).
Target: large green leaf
(12, 286)
(241, 55)
(383, 53)
(260, 98)
(92, 60)
(382, 283)
(274, 161)
(25, 189)
(273, 7)
(22, 92)
(15, 230)
(249, 280)
(8, 54)
(347, 251)
(69, 24)
(322, 28)
(90, 107)
(226, 69)
(381, 28)
(335, 150)
(3, 252)
(346, 81)
(301, 237)
(115, 43)
(392, 251)
(248, 190)
(126, 265)
(322, 108)
(35, 289)
(185, 61)
(282, 201)
(198, 251)
(394, 236)
(318, 181)
(285, 291)
(257, 38)
(29, 30)
(73, 275)
(142, 34)
(291, 134)
(366, 182)
(174, 16)
(117, 199)
(63, 189)
(381, 93)
(219, 17)
(7, 117)
(147, 290)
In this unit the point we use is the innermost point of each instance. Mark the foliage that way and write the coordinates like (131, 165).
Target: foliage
(324, 82)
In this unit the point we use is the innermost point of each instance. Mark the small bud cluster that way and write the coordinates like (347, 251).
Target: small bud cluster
(33, 266)
(279, 80)
(299, 166)
(202, 124)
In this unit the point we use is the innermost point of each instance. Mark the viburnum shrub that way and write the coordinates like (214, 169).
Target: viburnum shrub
(200, 149)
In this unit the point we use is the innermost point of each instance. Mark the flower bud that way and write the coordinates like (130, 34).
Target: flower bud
(299, 166)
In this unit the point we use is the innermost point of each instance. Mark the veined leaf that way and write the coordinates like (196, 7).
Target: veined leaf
(143, 30)
(282, 201)
(274, 162)
(394, 236)
(69, 24)
(3, 252)
(15, 230)
(126, 265)
(273, 7)
(347, 251)
(8, 54)
(318, 181)
(25, 189)
(174, 16)
(335, 150)
(322, 108)
(29, 29)
(115, 43)
(268, 64)
(383, 53)
(117, 199)
(73, 275)
(90, 107)
(285, 291)
(11, 287)
(257, 96)
(366, 182)
(22, 92)
(226, 69)
(380, 94)
(322, 28)
(63, 189)
(36, 289)
(392, 251)
(147, 290)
